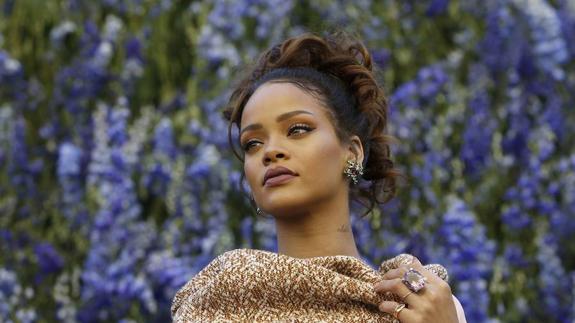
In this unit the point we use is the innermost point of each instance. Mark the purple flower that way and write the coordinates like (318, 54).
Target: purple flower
(488, 121)
(14, 86)
(555, 284)
(133, 48)
(69, 161)
(480, 124)
(548, 46)
(515, 256)
(7, 7)
(566, 13)
(502, 46)
(381, 57)
(159, 175)
(247, 228)
(431, 79)
(119, 240)
(436, 7)
(515, 218)
(467, 253)
(8, 282)
(48, 258)
(164, 139)
(58, 33)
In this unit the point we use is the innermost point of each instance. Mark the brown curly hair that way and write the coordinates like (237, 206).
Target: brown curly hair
(337, 69)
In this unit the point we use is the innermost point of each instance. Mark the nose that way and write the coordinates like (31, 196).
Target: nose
(273, 153)
(273, 156)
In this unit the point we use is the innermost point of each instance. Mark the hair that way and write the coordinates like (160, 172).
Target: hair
(337, 70)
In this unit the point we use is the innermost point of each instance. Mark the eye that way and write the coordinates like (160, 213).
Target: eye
(249, 144)
(299, 128)
(295, 129)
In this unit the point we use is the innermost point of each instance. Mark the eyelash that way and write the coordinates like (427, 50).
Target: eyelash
(299, 126)
(308, 128)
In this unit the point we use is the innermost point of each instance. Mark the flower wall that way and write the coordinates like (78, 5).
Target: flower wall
(117, 183)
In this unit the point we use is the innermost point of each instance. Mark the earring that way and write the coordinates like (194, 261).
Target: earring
(258, 210)
(354, 170)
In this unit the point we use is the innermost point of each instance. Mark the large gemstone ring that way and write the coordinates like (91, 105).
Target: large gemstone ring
(414, 280)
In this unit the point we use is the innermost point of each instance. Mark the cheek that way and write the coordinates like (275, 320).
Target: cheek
(251, 175)
(325, 166)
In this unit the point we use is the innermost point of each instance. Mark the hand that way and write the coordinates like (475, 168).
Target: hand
(433, 303)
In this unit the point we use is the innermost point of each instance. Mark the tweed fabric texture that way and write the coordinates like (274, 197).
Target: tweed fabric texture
(249, 285)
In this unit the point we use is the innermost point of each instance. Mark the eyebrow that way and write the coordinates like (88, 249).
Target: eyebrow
(280, 118)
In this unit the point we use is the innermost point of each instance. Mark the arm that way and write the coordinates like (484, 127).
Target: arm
(459, 308)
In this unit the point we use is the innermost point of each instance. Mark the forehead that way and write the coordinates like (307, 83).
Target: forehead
(272, 99)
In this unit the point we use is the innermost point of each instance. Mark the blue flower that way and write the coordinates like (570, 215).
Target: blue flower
(14, 86)
(431, 80)
(59, 32)
(8, 283)
(69, 160)
(48, 258)
(515, 218)
(467, 253)
(555, 284)
(566, 13)
(548, 46)
(515, 256)
(480, 125)
(502, 45)
(119, 240)
(436, 7)
(164, 139)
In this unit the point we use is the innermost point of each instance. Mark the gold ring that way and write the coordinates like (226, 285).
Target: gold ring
(404, 297)
(398, 309)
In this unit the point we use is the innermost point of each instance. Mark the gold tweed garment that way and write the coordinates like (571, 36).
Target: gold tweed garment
(249, 285)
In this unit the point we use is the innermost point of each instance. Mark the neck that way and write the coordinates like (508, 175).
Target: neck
(324, 230)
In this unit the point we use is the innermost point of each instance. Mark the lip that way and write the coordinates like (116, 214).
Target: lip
(282, 174)
(278, 180)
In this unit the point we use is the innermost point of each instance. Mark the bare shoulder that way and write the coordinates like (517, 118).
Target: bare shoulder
(459, 308)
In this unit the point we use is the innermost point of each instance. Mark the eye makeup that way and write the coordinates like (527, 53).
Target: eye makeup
(296, 129)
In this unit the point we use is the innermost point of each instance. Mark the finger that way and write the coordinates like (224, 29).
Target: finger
(404, 315)
(406, 262)
(415, 262)
(395, 286)
(400, 272)
(407, 259)
(395, 273)
(430, 277)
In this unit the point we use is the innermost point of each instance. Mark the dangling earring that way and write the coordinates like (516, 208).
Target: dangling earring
(258, 210)
(262, 214)
(354, 170)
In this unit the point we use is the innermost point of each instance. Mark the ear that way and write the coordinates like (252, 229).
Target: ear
(355, 149)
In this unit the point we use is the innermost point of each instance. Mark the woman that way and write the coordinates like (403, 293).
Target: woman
(312, 120)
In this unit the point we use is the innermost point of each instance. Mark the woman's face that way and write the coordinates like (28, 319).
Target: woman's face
(282, 125)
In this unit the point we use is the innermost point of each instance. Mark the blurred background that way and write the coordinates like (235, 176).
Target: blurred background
(117, 183)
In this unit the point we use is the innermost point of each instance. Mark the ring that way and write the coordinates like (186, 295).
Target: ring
(398, 309)
(404, 297)
(414, 280)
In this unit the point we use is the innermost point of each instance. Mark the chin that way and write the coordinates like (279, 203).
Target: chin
(284, 203)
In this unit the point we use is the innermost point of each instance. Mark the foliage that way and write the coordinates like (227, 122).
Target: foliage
(117, 183)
